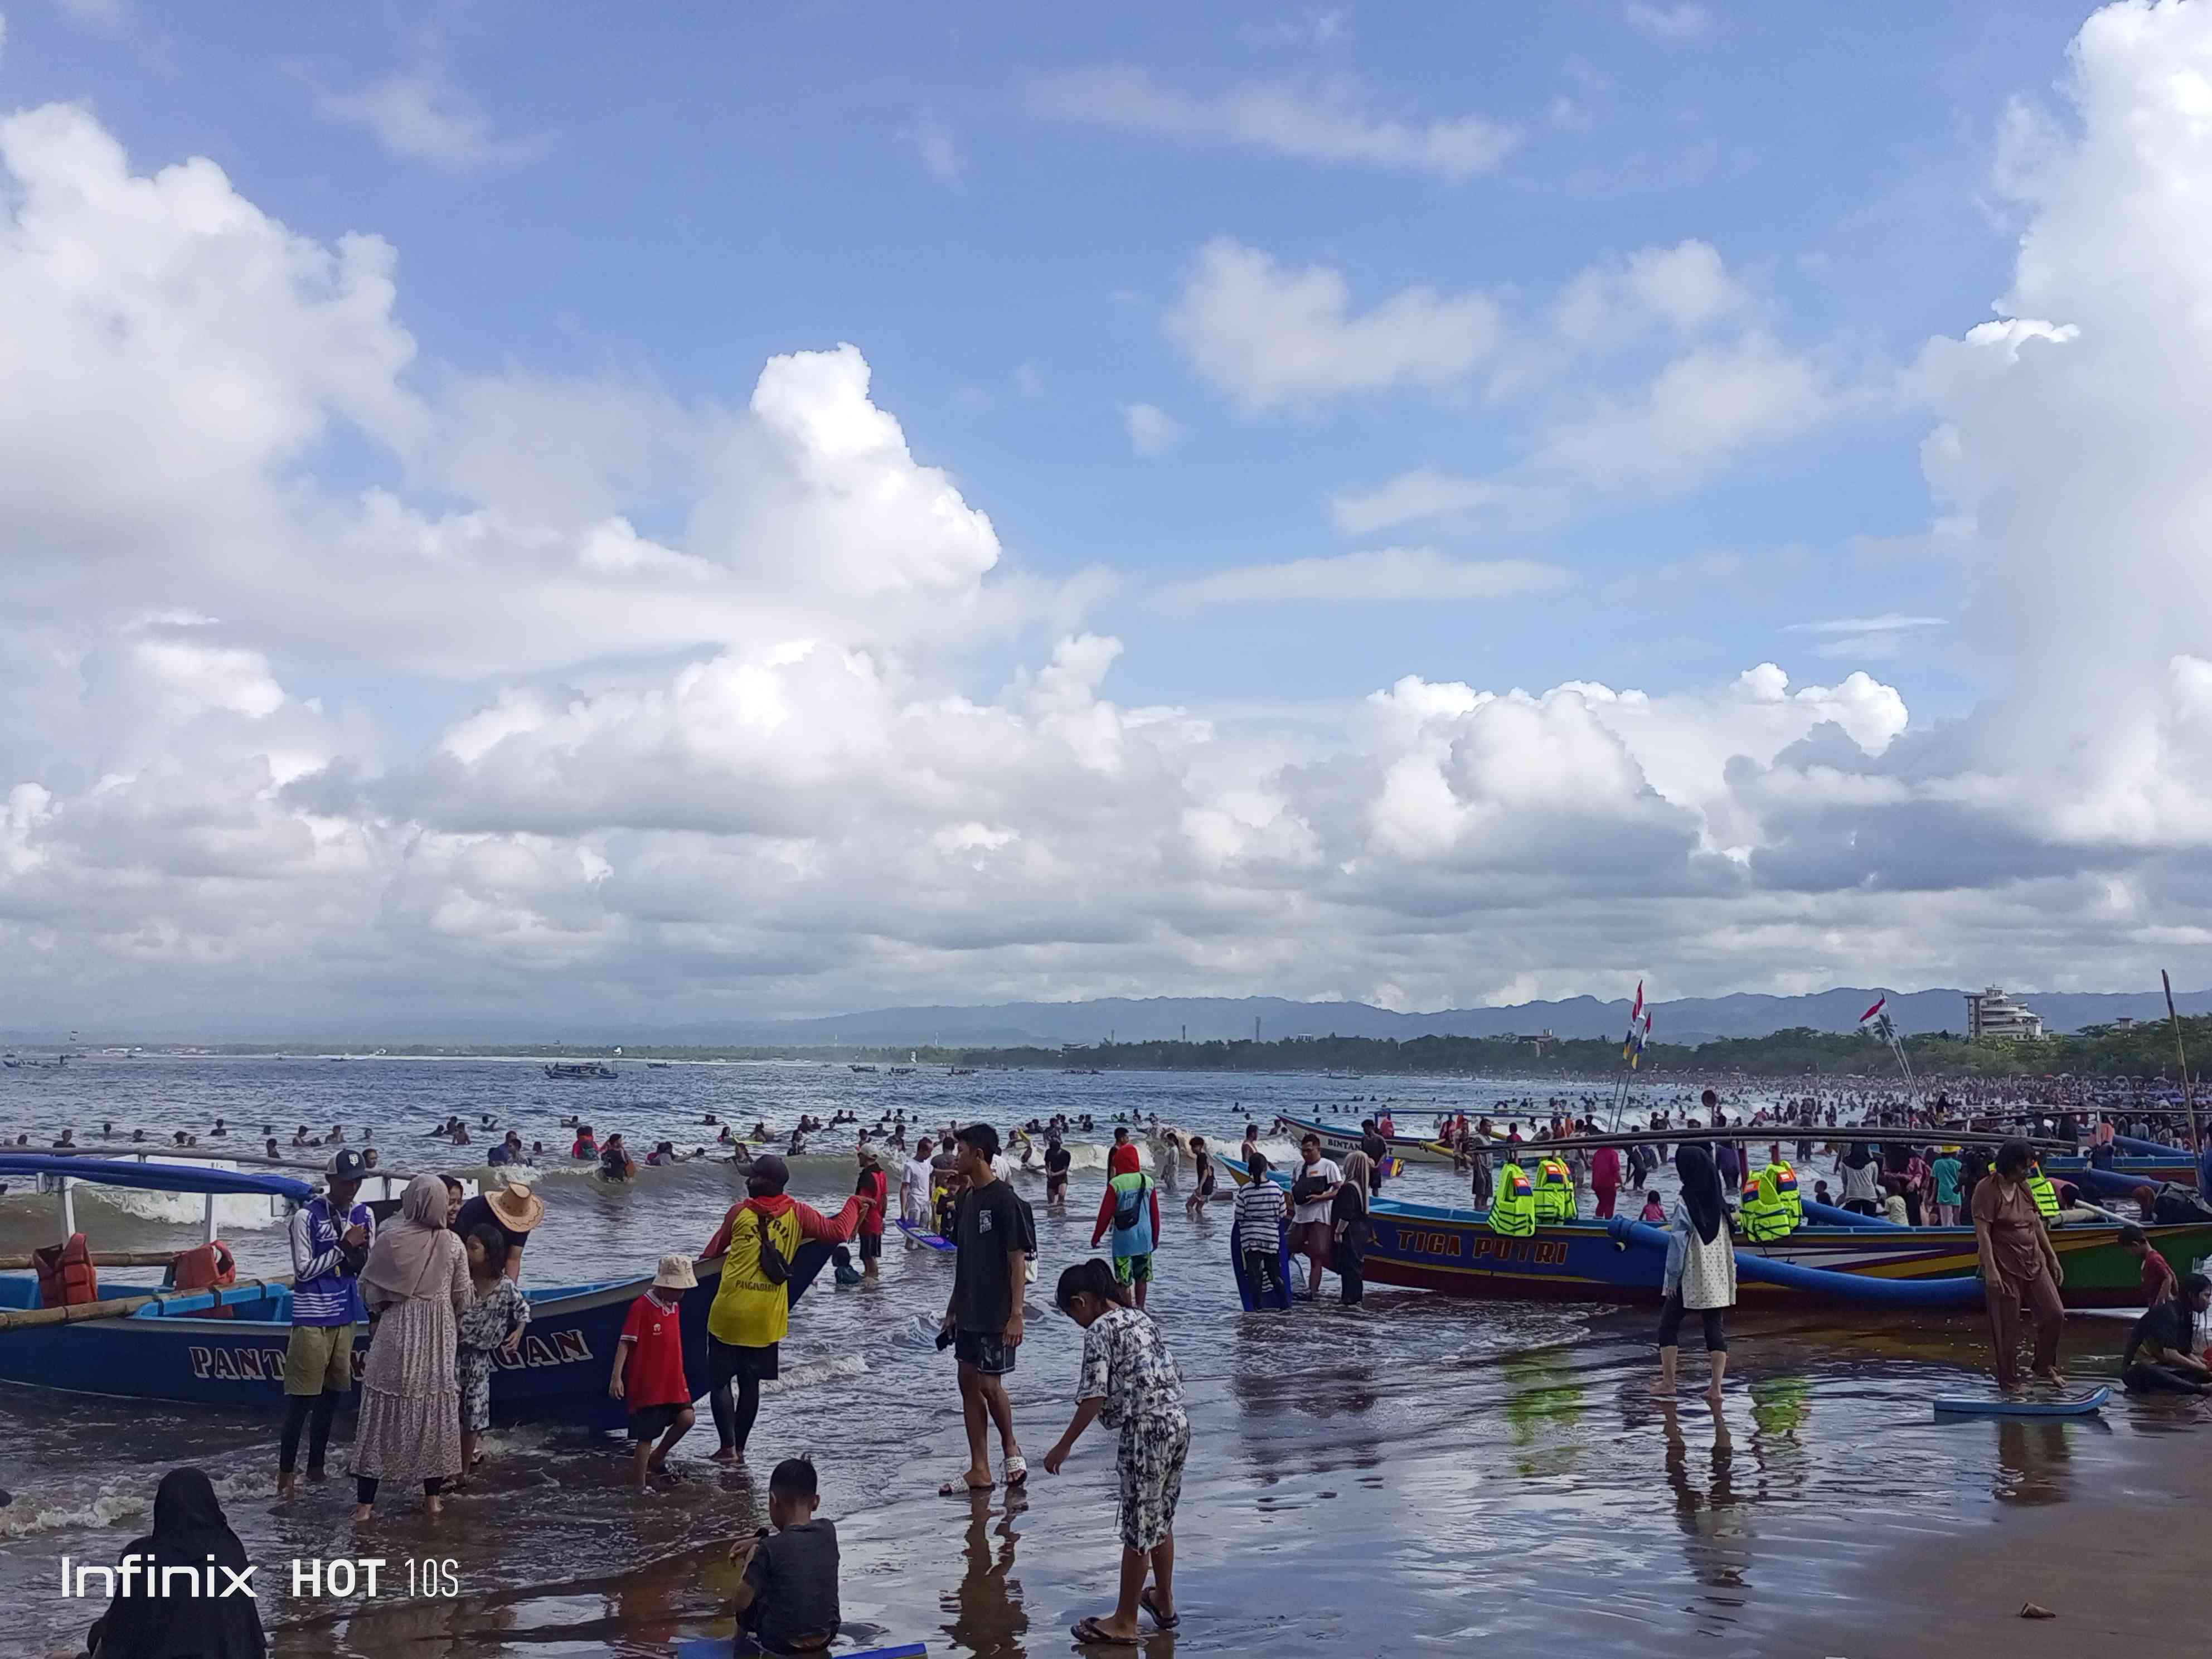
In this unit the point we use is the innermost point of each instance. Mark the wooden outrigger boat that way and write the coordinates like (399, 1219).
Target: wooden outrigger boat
(226, 1347)
(1336, 1140)
(1852, 1260)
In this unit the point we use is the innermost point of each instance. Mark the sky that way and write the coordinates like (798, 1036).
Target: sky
(781, 509)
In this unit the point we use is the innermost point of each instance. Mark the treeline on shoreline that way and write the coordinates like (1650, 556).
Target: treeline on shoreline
(2134, 1051)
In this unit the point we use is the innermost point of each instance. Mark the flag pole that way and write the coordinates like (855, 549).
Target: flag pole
(2188, 1094)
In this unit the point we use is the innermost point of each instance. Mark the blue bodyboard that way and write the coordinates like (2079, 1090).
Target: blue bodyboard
(1977, 1406)
(922, 1235)
(1246, 1292)
(718, 1647)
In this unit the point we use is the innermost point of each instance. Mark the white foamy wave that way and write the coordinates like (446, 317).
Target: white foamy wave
(114, 1503)
(813, 1373)
(234, 1212)
(1083, 1156)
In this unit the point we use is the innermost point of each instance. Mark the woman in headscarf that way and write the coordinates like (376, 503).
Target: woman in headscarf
(1701, 1268)
(415, 1284)
(1349, 1227)
(1861, 1175)
(201, 1622)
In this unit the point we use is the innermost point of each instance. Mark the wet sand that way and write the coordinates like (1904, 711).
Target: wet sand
(1535, 1499)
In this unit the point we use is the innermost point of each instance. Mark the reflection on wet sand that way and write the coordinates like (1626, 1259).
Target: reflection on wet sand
(1715, 1529)
(988, 1617)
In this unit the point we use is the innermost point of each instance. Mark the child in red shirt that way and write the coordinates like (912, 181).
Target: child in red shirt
(649, 1367)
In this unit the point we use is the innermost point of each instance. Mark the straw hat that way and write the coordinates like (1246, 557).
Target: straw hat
(516, 1207)
(675, 1274)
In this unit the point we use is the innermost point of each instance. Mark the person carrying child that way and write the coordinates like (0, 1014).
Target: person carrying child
(786, 1603)
(648, 1376)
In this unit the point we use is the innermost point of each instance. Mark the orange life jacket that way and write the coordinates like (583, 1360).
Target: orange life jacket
(66, 1276)
(208, 1267)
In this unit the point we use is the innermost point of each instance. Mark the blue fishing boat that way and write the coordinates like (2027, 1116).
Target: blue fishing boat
(225, 1347)
(1837, 1257)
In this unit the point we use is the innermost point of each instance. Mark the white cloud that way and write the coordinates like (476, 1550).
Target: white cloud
(1315, 26)
(1684, 22)
(1413, 497)
(1323, 122)
(1700, 411)
(1270, 336)
(1685, 287)
(424, 117)
(940, 151)
(1380, 576)
(765, 757)
(108, 16)
(1151, 430)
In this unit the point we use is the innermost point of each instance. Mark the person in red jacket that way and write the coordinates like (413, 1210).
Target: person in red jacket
(872, 1185)
(1605, 1178)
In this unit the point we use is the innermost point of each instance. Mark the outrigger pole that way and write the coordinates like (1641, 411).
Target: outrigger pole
(2188, 1093)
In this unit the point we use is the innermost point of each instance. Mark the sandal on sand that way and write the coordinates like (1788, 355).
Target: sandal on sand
(1089, 1631)
(1150, 1603)
(961, 1486)
(1018, 1471)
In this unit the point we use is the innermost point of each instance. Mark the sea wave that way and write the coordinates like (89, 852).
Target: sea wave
(113, 1503)
(814, 1373)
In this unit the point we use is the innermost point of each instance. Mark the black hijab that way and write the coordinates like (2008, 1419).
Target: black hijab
(188, 1527)
(1701, 1189)
(1858, 1156)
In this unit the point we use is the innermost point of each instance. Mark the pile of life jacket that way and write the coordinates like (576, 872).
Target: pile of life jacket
(66, 1275)
(209, 1267)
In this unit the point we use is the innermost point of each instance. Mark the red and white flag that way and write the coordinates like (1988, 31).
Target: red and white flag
(1879, 1005)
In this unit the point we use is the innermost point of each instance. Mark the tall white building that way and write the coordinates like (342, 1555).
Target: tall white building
(1991, 1014)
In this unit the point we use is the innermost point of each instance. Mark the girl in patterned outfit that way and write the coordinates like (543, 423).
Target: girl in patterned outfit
(1129, 1379)
(494, 1320)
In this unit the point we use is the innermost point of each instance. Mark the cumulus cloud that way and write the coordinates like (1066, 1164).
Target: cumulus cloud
(1324, 122)
(798, 747)
(1686, 286)
(1151, 429)
(422, 116)
(1683, 21)
(1381, 576)
(1270, 335)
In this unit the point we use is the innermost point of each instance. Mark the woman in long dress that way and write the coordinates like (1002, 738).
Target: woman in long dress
(1700, 1269)
(415, 1284)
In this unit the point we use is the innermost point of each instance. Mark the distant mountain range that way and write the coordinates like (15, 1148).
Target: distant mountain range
(1048, 1024)
(1689, 1020)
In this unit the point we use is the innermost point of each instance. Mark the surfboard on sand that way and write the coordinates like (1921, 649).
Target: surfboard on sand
(922, 1236)
(1998, 1405)
(1247, 1292)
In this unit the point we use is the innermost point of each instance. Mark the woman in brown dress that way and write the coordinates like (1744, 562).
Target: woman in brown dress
(2019, 1265)
(415, 1284)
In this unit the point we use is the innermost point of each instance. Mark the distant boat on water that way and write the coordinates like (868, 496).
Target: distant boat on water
(569, 1070)
(864, 1068)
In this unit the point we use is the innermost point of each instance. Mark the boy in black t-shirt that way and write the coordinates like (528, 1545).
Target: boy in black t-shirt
(787, 1599)
(995, 1237)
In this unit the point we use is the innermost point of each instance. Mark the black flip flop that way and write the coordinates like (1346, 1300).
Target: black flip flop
(1150, 1603)
(1088, 1631)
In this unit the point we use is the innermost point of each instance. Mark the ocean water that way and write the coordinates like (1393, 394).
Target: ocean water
(1426, 1430)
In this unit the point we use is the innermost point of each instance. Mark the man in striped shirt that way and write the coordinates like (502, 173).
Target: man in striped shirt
(1260, 1229)
(326, 1253)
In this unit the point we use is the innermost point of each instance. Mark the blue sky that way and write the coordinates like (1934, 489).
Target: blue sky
(1624, 305)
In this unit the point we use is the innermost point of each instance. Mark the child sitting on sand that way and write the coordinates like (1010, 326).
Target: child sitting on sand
(649, 1367)
(1653, 1213)
(787, 1599)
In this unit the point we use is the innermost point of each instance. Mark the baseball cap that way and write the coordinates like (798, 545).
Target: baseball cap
(348, 1165)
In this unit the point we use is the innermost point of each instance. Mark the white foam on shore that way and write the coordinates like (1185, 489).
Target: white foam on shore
(813, 1373)
(115, 1503)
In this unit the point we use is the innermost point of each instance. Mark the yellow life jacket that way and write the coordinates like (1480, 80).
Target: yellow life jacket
(1765, 1213)
(748, 1311)
(1785, 1187)
(2045, 1194)
(1513, 1207)
(1555, 1191)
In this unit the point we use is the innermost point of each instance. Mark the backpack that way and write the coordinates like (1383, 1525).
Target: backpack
(775, 1267)
(1129, 1205)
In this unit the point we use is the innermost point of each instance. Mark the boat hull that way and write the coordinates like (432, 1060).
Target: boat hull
(1336, 1141)
(1454, 1252)
(559, 1375)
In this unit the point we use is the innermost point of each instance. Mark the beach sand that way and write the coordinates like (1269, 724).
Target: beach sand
(1509, 1501)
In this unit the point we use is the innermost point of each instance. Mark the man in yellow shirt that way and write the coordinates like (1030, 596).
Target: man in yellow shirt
(752, 1309)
